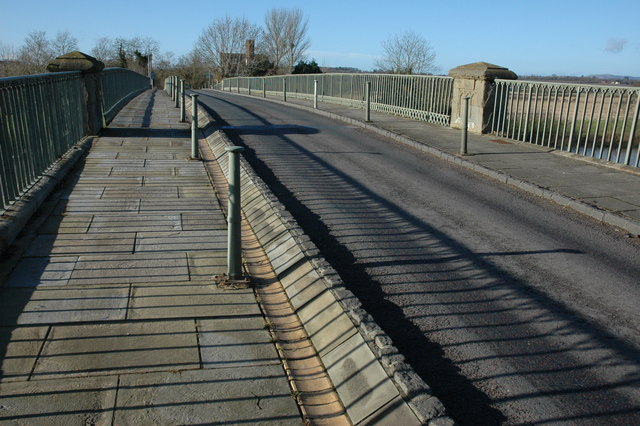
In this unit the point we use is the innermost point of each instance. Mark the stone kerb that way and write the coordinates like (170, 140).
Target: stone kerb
(475, 81)
(369, 374)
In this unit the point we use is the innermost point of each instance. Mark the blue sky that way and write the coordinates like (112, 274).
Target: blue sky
(564, 37)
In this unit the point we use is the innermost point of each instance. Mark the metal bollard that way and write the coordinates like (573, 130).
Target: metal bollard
(264, 88)
(249, 85)
(234, 252)
(315, 94)
(182, 106)
(177, 104)
(465, 125)
(284, 89)
(174, 95)
(367, 96)
(194, 127)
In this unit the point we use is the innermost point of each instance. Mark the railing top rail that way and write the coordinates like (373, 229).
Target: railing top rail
(49, 75)
(576, 85)
(446, 77)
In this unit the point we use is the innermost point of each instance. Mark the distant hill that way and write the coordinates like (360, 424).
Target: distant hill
(615, 77)
(605, 79)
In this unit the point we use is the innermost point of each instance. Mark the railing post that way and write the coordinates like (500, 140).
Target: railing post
(249, 84)
(234, 253)
(315, 94)
(194, 127)
(367, 96)
(284, 89)
(177, 103)
(264, 88)
(465, 125)
(182, 106)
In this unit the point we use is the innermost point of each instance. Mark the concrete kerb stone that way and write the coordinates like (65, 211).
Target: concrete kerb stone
(627, 224)
(16, 216)
(414, 391)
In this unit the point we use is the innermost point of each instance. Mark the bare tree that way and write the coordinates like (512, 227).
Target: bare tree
(104, 51)
(285, 37)
(222, 45)
(9, 64)
(64, 43)
(36, 52)
(407, 53)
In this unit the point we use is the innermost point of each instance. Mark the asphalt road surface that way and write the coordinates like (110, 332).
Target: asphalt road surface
(512, 309)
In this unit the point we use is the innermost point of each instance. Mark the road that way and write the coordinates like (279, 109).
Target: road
(511, 308)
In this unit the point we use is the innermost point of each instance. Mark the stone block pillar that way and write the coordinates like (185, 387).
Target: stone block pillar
(475, 81)
(91, 86)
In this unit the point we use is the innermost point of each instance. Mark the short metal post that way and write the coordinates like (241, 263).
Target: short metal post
(465, 126)
(315, 94)
(234, 253)
(182, 106)
(264, 88)
(194, 127)
(249, 85)
(177, 99)
(367, 96)
(175, 88)
(238, 82)
(284, 89)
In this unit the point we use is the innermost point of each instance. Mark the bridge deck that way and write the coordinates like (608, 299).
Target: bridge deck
(113, 294)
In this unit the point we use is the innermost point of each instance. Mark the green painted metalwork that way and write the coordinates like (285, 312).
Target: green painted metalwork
(40, 120)
(426, 98)
(119, 86)
(595, 121)
(42, 117)
(234, 251)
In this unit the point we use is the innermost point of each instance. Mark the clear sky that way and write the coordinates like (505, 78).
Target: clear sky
(564, 37)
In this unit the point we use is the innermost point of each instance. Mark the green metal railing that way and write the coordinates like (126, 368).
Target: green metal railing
(426, 98)
(42, 117)
(594, 121)
(119, 86)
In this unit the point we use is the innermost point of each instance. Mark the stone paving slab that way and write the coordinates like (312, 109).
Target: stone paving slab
(151, 301)
(224, 396)
(59, 402)
(89, 206)
(130, 268)
(77, 244)
(136, 223)
(237, 342)
(205, 265)
(140, 192)
(180, 241)
(42, 271)
(21, 347)
(51, 305)
(112, 348)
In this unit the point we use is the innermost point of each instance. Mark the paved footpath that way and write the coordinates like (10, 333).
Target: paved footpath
(607, 192)
(110, 317)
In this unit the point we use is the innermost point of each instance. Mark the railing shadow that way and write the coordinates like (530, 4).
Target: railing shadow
(502, 309)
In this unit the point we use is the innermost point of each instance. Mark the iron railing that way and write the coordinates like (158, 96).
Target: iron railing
(119, 86)
(42, 117)
(426, 98)
(594, 121)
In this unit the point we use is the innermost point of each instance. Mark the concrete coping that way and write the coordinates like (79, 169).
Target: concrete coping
(482, 71)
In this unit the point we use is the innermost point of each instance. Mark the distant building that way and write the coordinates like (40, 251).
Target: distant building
(235, 63)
